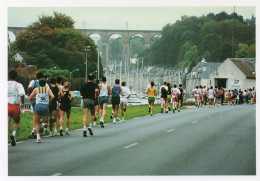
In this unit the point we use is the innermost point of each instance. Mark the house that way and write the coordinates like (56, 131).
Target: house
(233, 73)
(201, 74)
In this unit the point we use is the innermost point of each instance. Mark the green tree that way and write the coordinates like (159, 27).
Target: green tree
(53, 41)
(242, 51)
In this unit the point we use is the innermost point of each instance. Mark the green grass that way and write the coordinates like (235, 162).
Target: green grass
(25, 127)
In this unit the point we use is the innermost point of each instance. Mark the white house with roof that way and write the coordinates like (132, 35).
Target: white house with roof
(233, 73)
(236, 73)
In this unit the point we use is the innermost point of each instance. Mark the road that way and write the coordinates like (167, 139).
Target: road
(199, 141)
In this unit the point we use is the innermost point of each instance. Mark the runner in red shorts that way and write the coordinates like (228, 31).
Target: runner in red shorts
(15, 103)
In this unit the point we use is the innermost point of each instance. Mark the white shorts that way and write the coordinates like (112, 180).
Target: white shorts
(123, 100)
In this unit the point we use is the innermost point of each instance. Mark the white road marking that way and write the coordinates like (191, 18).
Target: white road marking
(194, 122)
(170, 130)
(57, 174)
(129, 146)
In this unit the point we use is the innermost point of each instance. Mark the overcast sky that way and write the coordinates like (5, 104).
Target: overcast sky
(133, 18)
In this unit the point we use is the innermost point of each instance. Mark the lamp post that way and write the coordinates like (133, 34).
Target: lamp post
(73, 71)
(99, 53)
(87, 49)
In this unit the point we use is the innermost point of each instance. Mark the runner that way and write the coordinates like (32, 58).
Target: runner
(219, 92)
(169, 96)
(15, 103)
(151, 91)
(180, 97)
(175, 94)
(200, 96)
(234, 97)
(204, 96)
(249, 96)
(32, 85)
(222, 95)
(53, 106)
(65, 106)
(115, 91)
(58, 83)
(103, 100)
(41, 110)
(216, 95)
(124, 99)
(148, 100)
(196, 93)
(164, 100)
(245, 96)
(96, 104)
(211, 94)
(88, 91)
(229, 95)
(254, 95)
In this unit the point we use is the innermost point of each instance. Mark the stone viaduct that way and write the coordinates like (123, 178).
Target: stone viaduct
(105, 34)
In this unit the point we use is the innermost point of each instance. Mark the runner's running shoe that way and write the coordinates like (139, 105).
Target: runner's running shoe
(161, 110)
(84, 133)
(33, 134)
(13, 140)
(102, 124)
(94, 123)
(111, 115)
(67, 132)
(90, 131)
(173, 110)
(39, 140)
(51, 134)
(61, 133)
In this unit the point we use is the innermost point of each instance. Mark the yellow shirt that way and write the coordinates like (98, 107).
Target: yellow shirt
(151, 92)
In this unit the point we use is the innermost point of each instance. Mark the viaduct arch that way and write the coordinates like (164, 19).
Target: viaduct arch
(105, 34)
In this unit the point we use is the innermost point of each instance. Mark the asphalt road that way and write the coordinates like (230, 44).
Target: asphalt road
(199, 141)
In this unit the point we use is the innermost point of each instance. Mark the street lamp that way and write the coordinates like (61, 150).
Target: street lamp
(73, 71)
(87, 49)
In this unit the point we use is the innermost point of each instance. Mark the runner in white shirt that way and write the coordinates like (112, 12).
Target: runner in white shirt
(103, 100)
(196, 92)
(124, 99)
(15, 103)
(211, 94)
(175, 94)
(32, 85)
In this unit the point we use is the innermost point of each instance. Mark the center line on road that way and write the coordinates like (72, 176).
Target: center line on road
(129, 146)
(170, 130)
(194, 122)
(57, 174)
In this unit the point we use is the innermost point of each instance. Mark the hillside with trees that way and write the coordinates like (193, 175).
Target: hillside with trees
(188, 40)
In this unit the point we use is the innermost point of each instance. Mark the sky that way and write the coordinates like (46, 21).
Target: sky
(132, 18)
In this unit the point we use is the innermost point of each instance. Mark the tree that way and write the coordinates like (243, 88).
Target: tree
(52, 41)
(242, 51)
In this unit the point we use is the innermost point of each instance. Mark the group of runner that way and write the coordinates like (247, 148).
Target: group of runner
(50, 101)
(169, 95)
(215, 96)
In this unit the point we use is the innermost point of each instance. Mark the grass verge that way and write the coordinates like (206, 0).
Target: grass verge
(25, 126)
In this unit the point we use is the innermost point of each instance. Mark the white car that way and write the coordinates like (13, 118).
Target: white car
(134, 99)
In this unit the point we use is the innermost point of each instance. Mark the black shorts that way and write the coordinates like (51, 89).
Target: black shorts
(53, 106)
(65, 107)
(164, 96)
(115, 100)
(96, 102)
(180, 98)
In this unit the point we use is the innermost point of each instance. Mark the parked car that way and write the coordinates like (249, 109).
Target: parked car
(134, 98)
(77, 94)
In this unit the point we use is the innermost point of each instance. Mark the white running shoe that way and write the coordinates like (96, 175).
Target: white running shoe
(39, 140)
(114, 121)
(94, 123)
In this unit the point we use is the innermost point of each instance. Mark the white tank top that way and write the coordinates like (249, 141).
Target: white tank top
(42, 96)
(104, 90)
(211, 92)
